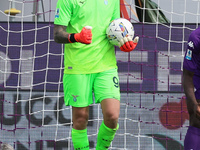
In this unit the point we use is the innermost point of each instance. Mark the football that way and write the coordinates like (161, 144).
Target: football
(118, 29)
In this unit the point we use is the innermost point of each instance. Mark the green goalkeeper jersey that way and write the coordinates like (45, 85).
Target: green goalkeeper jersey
(100, 54)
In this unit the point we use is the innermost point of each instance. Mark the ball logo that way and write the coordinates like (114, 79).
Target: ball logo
(123, 29)
(110, 37)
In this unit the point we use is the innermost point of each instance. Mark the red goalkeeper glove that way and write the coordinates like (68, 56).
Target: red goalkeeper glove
(126, 44)
(85, 36)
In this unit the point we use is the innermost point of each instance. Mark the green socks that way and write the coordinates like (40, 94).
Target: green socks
(80, 139)
(105, 137)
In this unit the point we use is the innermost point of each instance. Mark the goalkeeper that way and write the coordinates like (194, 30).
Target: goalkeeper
(90, 65)
(191, 85)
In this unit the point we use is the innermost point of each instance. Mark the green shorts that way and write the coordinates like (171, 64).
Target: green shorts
(81, 90)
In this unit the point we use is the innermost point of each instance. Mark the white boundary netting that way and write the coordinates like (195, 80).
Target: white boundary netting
(153, 111)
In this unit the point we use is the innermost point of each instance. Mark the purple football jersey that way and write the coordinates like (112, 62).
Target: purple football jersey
(192, 139)
(192, 59)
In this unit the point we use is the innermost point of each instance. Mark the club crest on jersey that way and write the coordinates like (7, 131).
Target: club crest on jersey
(123, 29)
(188, 55)
(57, 13)
(106, 2)
(75, 97)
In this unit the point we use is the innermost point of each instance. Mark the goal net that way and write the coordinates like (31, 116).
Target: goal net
(153, 110)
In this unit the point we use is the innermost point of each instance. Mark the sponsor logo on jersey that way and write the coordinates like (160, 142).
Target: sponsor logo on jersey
(57, 13)
(190, 44)
(82, 2)
(188, 55)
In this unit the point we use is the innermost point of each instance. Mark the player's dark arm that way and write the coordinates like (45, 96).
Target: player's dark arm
(60, 34)
(188, 87)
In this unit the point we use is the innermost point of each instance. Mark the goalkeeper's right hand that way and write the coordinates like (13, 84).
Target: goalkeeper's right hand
(126, 44)
(85, 36)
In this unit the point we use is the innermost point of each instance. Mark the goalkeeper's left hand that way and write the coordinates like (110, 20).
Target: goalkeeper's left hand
(127, 44)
